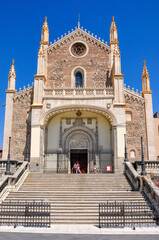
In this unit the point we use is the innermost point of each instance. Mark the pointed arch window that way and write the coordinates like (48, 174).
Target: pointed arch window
(78, 80)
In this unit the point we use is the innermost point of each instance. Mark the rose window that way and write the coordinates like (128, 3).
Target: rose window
(78, 49)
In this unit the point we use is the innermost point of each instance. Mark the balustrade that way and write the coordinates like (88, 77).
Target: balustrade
(72, 92)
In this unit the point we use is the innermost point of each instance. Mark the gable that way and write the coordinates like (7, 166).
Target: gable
(63, 61)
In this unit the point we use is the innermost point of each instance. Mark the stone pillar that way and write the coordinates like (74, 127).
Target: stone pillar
(9, 110)
(8, 122)
(150, 126)
(115, 148)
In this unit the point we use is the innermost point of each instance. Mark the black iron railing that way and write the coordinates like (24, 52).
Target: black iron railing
(59, 162)
(121, 214)
(33, 214)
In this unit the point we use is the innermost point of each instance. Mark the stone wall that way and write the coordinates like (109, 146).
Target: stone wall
(21, 126)
(96, 64)
(135, 126)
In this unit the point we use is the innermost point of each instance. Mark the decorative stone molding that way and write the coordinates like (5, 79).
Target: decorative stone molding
(134, 96)
(23, 93)
(55, 111)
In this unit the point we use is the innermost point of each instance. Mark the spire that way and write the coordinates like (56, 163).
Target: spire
(11, 77)
(45, 33)
(113, 33)
(145, 79)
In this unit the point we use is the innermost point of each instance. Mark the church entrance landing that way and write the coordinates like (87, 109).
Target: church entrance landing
(81, 156)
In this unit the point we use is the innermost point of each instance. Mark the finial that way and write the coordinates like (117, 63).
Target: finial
(113, 18)
(12, 61)
(45, 19)
(78, 18)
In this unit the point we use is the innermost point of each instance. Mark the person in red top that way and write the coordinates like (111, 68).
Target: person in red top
(78, 167)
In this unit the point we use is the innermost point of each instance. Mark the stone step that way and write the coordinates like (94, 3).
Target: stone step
(75, 198)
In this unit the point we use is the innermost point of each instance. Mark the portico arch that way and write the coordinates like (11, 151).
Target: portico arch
(90, 136)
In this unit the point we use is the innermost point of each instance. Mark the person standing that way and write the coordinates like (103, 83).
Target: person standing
(78, 168)
(94, 168)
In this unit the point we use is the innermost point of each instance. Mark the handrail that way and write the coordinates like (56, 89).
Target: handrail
(9, 181)
(132, 176)
(20, 172)
(151, 191)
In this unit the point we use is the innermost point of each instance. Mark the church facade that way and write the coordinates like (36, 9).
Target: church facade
(78, 108)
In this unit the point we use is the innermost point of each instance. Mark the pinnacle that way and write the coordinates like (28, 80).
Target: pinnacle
(12, 70)
(45, 25)
(113, 25)
(145, 71)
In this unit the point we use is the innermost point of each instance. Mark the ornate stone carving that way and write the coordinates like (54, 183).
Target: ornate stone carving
(21, 127)
(78, 122)
(136, 127)
(92, 63)
(78, 142)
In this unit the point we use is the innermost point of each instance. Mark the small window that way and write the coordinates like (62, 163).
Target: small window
(128, 116)
(132, 154)
(78, 80)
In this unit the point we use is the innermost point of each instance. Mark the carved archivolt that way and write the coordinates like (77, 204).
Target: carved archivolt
(78, 137)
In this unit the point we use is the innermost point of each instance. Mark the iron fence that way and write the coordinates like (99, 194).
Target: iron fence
(60, 162)
(121, 214)
(31, 214)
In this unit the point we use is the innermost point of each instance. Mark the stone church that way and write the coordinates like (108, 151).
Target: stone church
(78, 108)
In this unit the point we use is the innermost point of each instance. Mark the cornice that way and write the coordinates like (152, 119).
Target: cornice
(40, 76)
(36, 105)
(119, 104)
(147, 92)
(10, 91)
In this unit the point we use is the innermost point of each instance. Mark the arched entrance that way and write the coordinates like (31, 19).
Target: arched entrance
(80, 135)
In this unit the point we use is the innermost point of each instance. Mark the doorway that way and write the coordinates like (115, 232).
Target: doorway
(79, 155)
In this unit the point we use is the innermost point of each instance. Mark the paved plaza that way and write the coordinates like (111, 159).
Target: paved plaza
(46, 236)
(63, 231)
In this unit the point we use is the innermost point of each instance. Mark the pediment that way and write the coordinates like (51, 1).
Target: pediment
(74, 35)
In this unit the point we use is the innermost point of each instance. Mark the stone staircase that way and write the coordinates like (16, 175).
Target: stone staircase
(75, 198)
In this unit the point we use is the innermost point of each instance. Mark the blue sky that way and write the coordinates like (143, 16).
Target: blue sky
(21, 23)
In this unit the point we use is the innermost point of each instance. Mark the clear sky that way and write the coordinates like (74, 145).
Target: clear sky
(21, 22)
